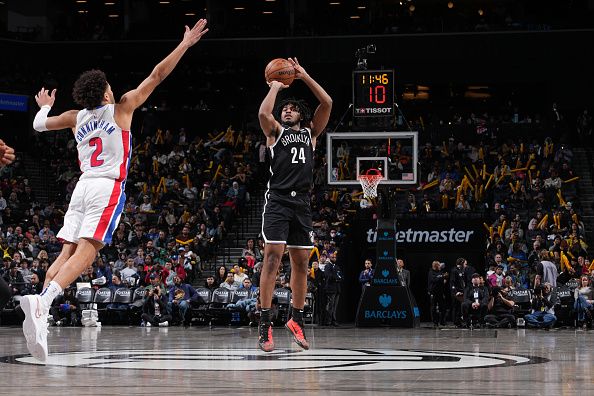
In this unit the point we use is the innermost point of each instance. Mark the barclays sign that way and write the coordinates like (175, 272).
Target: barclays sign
(385, 236)
(385, 256)
(385, 300)
(384, 279)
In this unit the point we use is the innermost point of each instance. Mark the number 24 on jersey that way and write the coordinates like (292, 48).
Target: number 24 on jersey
(301, 157)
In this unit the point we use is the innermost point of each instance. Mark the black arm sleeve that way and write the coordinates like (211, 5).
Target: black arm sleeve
(540, 269)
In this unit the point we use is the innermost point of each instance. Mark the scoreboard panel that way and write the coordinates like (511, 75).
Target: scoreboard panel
(373, 93)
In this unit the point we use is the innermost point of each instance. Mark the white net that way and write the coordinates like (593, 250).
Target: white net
(369, 182)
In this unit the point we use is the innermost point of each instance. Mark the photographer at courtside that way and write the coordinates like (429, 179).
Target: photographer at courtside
(154, 310)
(543, 308)
(501, 308)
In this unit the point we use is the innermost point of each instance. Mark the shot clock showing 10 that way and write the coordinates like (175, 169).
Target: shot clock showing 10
(373, 93)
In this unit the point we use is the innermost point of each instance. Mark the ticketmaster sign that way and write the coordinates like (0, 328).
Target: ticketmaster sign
(431, 234)
(412, 236)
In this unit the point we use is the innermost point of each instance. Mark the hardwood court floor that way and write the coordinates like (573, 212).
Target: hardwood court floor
(346, 360)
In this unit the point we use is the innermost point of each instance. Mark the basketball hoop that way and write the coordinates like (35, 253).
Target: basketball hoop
(370, 181)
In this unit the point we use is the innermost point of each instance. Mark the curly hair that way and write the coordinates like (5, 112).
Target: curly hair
(301, 106)
(89, 89)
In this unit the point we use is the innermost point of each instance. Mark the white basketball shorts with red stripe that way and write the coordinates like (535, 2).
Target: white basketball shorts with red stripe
(94, 210)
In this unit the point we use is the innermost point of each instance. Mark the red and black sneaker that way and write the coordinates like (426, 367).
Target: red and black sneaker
(296, 329)
(265, 341)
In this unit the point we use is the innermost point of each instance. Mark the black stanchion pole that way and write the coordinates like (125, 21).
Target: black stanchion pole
(387, 302)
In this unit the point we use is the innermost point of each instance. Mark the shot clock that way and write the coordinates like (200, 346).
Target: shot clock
(373, 93)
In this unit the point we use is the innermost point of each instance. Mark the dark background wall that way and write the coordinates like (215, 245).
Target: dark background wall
(542, 67)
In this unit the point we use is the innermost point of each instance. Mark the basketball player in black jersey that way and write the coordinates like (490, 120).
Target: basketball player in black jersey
(286, 218)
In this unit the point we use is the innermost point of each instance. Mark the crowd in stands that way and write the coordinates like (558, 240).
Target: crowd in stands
(525, 189)
(182, 197)
(536, 257)
(184, 193)
(500, 299)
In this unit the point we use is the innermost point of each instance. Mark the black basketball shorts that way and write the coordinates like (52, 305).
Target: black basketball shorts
(286, 219)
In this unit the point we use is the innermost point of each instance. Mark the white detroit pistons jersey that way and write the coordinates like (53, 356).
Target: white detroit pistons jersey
(103, 147)
(99, 196)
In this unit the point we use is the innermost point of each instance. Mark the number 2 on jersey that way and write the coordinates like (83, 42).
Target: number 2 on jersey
(98, 144)
(301, 155)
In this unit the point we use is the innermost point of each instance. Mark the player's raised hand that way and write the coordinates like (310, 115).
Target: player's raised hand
(277, 84)
(6, 154)
(45, 98)
(299, 70)
(193, 35)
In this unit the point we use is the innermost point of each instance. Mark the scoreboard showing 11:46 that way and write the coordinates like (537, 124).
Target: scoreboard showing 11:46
(373, 93)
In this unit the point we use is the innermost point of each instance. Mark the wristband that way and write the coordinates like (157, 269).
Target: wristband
(41, 118)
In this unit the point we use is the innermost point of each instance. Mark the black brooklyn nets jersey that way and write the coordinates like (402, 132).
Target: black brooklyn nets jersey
(291, 161)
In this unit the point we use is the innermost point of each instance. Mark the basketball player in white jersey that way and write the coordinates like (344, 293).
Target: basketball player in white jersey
(104, 142)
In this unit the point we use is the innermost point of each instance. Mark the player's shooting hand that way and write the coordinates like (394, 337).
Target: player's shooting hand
(193, 35)
(6, 154)
(299, 70)
(277, 84)
(44, 98)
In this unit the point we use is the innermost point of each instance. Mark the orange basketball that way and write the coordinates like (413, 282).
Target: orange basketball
(279, 69)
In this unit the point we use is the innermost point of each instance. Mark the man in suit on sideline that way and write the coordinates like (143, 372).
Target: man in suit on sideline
(403, 274)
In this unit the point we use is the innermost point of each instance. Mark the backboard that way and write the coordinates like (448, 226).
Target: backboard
(350, 154)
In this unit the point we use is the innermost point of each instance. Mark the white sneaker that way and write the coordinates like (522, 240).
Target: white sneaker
(148, 324)
(35, 325)
(164, 324)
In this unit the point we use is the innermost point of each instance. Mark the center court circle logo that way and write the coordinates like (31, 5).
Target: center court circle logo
(255, 360)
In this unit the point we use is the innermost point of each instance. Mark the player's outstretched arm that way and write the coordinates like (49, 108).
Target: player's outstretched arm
(6, 154)
(42, 122)
(322, 112)
(136, 97)
(269, 125)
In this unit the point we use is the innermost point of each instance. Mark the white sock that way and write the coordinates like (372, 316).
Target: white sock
(51, 291)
